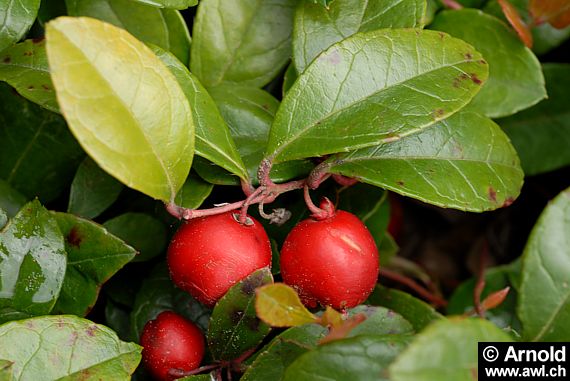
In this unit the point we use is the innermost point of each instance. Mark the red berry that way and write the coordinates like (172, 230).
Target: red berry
(171, 342)
(209, 255)
(333, 261)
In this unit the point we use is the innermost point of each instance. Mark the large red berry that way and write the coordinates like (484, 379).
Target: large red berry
(209, 255)
(171, 342)
(333, 261)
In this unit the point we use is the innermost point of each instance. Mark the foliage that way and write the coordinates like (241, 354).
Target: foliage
(120, 117)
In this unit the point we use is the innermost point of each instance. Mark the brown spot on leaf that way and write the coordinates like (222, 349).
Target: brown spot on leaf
(441, 35)
(476, 79)
(468, 56)
(46, 87)
(508, 202)
(91, 330)
(31, 87)
(235, 316)
(474, 373)
(7, 59)
(249, 285)
(74, 237)
(265, 106)
(252, 323)
(457, 80)
(38, 40)
(483, 62)
(400, 183)
(438, 113)
(492, 194)
(28, 53)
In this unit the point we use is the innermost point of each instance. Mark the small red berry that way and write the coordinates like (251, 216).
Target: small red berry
(333, 261)
(171, 342)
(209, 255)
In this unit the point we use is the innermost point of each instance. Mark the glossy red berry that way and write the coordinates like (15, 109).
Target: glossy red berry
(332, 261)
(171, 342)
(209, 255)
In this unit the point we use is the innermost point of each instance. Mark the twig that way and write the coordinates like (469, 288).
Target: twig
(480, 285)
(402, 279)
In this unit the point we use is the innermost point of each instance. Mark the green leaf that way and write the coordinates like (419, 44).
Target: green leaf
(93, 256)
(213, 139)
(234, 328)
(11, 201)
(158, 294)
(541, 134)
(465, 162)
(317, 28)
(50, 9)
(3, 218)
(380, 321)
(445, 351)
(273, 359)
(417, 312)
(280, 306)
(544, 299)
(241, 41)
(373, 88)
(24, 66)
(546, 37)
(92, 190)
(17, 17)
(6, 368)
(142, 231)
(162, 27)
(359, 358)
(38, 154)
(193, 192)
(496, 279)
(66, 348)
(32, 263)
(173, 4)
(289, 79)
(118, 319)
(515, 78)
(249, 112)
(127, 110)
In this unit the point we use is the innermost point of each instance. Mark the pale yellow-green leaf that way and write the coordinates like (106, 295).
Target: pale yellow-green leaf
(279, 306)
(122, 104)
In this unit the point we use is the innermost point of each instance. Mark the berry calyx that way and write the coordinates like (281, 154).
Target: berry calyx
(208, 255)
(170, 342)
(332, 261)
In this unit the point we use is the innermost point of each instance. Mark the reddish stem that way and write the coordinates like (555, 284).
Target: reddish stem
(179, 373)
(402, 279)
(451, 4)
(316, 212)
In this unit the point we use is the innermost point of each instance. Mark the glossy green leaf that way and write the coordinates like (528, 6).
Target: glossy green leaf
(93, 256)
(158, 294)
(541, 134)
(515, 77)
(289, 79)
(24, 66)
(249, 113)
(17, 16)
(199, 377)
(465, 162)
(38, 154)
(417, 312)
(362, 358)
(546, 37)
(273, 359)
(6, 368)
(3, 218)
(66, 348)
(142, 231)
(193, 192)
(92, 190)
(162, 27)
(234, 328)
(317, 28)
(380, 321)
(32, 263)
(544, 298)
(50, 9)
(372, 88)
(118, 319)
(497, 278)
(445, 351)
(241, 41)
(173, 4)
(127, 110)
(11, 201)
(213, 139)
(280, 306)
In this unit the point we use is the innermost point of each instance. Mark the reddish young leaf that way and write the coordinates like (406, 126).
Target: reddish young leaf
(554, 12)
(495, 299)
(516, 22)
(342, 331)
